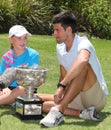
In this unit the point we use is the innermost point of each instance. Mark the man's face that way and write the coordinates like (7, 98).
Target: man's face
(60, 33)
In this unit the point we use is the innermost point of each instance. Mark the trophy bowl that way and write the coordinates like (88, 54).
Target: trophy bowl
(27, 76)
(30, 78)
(29, 105)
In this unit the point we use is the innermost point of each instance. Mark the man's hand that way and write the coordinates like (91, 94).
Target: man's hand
(58, 95)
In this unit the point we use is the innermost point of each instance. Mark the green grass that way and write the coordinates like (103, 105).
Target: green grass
(46, 47)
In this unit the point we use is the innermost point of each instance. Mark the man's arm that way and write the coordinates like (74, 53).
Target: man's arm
(77, 67)
(62, 73)
(58, 95)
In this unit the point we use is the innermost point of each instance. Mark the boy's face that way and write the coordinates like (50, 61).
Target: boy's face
(19, 43)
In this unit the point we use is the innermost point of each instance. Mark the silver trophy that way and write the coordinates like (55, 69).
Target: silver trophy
(29, 105)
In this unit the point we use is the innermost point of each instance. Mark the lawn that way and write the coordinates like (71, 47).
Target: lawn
(45, 45)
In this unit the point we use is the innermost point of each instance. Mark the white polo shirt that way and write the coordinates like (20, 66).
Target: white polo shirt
(66, 59)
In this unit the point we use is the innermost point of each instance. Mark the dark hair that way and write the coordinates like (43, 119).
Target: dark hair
(66, 19)
(11, 46)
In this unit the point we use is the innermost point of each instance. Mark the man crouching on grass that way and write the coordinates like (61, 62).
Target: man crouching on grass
(81, 90)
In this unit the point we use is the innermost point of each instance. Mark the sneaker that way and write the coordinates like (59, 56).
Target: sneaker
(53, 118)
(90, 114)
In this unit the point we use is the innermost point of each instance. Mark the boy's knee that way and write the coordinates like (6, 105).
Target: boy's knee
(19, 91)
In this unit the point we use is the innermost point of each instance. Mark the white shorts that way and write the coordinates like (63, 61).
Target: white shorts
(92, 97)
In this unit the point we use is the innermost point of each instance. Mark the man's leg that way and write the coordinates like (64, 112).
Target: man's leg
(49, 102)
(49, 99)
(46, 97)
(55, 115)
(74, 88)
(83, 82)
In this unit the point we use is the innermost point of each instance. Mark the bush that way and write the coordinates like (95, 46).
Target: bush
(93, 16)
(97, 15)
(34, 15)
(5, 16)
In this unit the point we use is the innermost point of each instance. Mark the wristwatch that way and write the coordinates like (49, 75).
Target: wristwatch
(61, 85)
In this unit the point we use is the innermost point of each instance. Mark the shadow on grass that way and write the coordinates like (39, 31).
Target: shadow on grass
(82, 122)
(8, 110)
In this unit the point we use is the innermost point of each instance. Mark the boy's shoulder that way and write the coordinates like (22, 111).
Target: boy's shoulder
(32, 51)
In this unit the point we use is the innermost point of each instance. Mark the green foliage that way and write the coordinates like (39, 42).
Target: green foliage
(34, 15)
(93, 16)
(97, 16)
(5, 15)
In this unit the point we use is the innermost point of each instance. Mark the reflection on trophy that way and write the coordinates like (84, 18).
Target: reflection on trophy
(29, 105)
(7, 77)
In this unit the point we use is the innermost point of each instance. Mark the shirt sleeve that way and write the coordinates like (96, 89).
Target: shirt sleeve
(85, 44)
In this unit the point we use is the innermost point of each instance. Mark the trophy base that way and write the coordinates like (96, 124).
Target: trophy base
(26, 109)
(29, 117)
